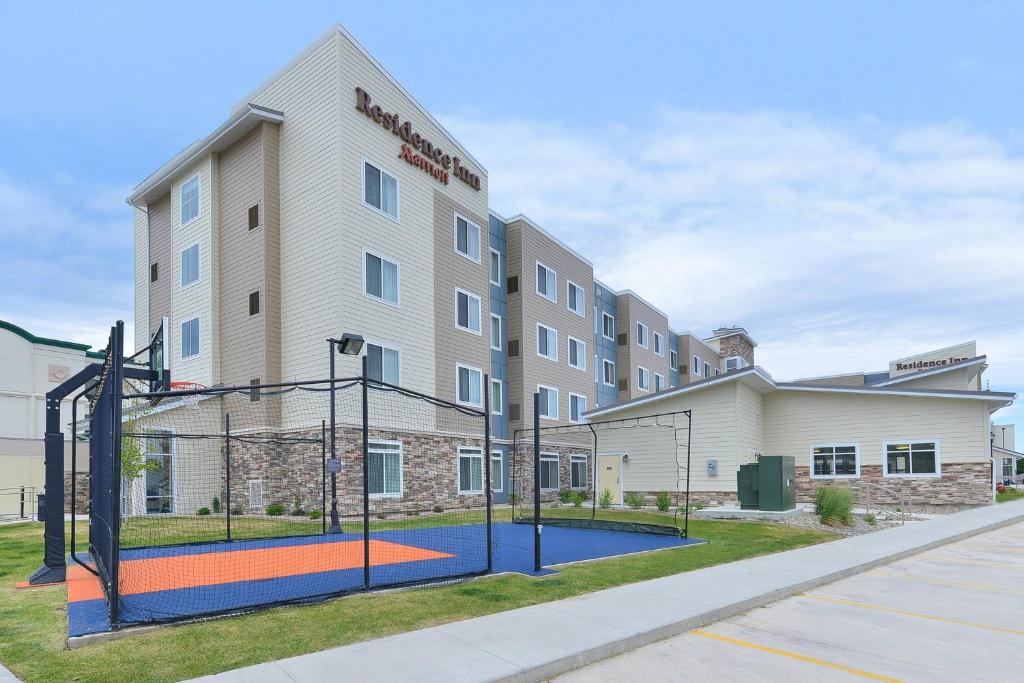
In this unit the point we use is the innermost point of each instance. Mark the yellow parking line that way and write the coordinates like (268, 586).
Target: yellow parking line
(987, 587)
(792, 655)
(919, 615)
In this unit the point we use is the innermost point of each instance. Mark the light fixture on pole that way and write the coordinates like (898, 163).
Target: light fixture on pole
(349, 345)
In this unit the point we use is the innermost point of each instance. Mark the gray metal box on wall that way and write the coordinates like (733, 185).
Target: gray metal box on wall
(712, 468)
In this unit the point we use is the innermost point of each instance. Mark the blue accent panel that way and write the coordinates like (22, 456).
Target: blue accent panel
(498, 234)
(605, 349)
(673, 345)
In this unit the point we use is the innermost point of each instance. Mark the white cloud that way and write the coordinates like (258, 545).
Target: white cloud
(839, 244)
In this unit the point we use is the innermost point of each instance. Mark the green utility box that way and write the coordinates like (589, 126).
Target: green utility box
(747, 486)
(776, 476)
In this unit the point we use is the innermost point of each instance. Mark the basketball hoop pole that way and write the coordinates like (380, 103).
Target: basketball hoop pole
(335, 522)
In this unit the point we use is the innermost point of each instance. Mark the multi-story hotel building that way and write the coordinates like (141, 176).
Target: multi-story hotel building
(330, 201)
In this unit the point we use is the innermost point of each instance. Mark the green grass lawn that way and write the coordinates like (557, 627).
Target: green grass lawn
(33, 624)
(1008, 495)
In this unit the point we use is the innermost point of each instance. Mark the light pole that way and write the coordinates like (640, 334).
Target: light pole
(349, 345)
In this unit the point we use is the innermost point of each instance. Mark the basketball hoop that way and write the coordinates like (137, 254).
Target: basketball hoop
(190, 400)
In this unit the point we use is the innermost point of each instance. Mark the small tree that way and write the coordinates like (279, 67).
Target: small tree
(133, 455)
(604, 499)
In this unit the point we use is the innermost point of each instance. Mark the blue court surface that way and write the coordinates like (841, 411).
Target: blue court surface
(181, 582)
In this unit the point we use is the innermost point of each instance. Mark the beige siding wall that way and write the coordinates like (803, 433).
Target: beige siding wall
(270, 218)
(954, 379)
(527, 246)
(141, 308)
(853, 380)
(452, 271)
(631, 310)
(690, 346)
(161, 252)
(749, 423)
(795, 421)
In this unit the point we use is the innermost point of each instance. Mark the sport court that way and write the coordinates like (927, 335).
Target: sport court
(186, 581)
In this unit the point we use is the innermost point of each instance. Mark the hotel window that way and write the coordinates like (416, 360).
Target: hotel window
(190, 265)
(575, 299)
(643, 378)
(467, 311)
(254, 216)
(471, 470)
(835, 461)
(495, 271)
(254, 302)
(468, 382)
(659, 382)
(547, 342)
(641, 334)
(380, 190)
(577, 354)
(190, 199)
(912, 459)
(1008, 468)
(607, 326)
(496, 397)
(546, 279)
(254, 394)
(153, 272)
(657, 345)
(495, 332)
(549, 471)
(697, 363)
(673, 360)
(383, 364)
(548, 403)
(609, 373)
(380, 278)
(384, 468)
(467, 238)
(578, 471)
(735, 363)
(577, 406)
(190, 338)
(497, 476)
(707, 370)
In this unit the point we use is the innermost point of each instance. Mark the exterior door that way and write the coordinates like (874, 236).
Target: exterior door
(609, 469)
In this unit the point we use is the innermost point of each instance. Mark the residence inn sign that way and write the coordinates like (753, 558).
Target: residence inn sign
(431, 159)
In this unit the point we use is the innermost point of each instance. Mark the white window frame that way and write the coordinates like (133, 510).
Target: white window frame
(199, 266)
(496, 317)
(181, 350)
(605, 364)
(496, 283)
(551, 345)
(697, 365)
(401, 467)
(548, 457)
(707, 370)
(197, 176)
(479, 238)
(571, 397)
(501, 396)
(659, 382)
(553, 390)
(480, 384)
(646, 335)
(384, 346)
(641, 371)
(912, 475)
(659, 344)
(497, 454)
(607, 316)
(739, 366)
(470, 452)
(581, 298)
(398, 189)
(673, 359)
(480, 312)
(581, 353)
(810, 460)
(586, 471)
(553, 297)
(173, 455)
(398, 278)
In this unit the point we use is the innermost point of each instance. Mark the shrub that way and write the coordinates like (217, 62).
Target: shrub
(834, 506)
(578, 498)
(663, 501)
(604, 499)
(635, 500)
(316, 514)
(565, 496)
(203, 511)
(275, 509)
(238, 510)
(513, 499)
(216, 504)
(298, 512)
(438, 508)
(870, 519)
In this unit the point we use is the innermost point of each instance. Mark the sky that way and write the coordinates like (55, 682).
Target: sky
(845, 180)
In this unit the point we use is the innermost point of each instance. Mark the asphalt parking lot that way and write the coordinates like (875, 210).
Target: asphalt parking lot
(951, 614)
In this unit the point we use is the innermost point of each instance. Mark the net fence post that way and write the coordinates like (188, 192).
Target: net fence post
(366, 478)
(536, 482)
(689, 442)
(592, 473)
(116, 393)
(487, 468)
(227, 465)
(323, 474)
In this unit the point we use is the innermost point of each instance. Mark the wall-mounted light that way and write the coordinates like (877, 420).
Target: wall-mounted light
(349, 344)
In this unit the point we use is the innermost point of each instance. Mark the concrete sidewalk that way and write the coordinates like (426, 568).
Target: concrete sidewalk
(535, 643)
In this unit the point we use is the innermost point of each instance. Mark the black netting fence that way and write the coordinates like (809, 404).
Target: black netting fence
(585, 475)
(239, 497)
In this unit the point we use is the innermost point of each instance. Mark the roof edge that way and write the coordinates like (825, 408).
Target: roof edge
(959, 365)
(33, 339)
(532, 224)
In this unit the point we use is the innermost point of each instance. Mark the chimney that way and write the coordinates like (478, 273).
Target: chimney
(734, 341)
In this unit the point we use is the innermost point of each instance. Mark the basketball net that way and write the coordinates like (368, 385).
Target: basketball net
(190, 401)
